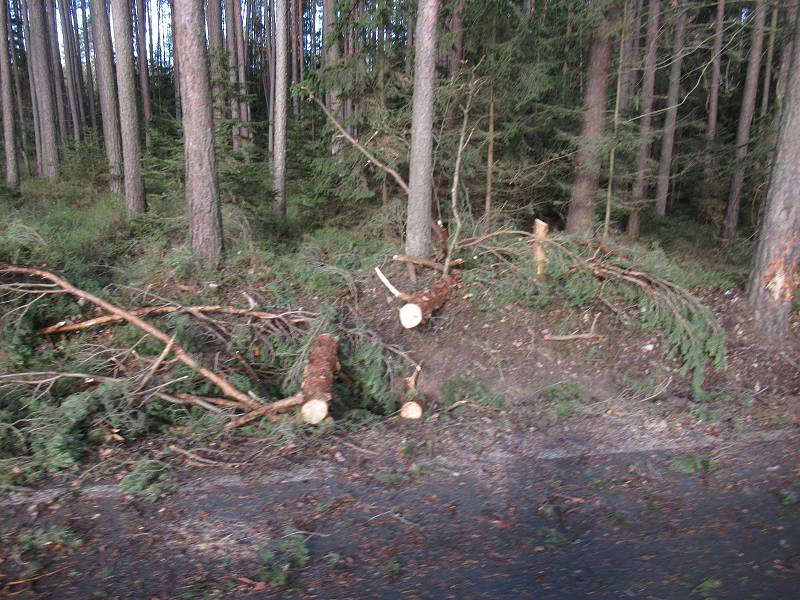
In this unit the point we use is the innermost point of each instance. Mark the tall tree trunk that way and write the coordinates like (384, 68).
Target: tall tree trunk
(418, 225)
(135, 201)
(487, 201)
(56, 73)
(281, 92)
(23, 138)
(648, 86)
(7, 98)
(78, 67)
(773, 28)
(713, 90)
(216, 46)
(244, 106)
(88, 58)
(295, 52)
(783, 72)
(176, 68)
(671, 117)
(39, 54)
(457, 30)
(331, 44)
(630, 54)
(109, 111)
(581, 214)
(233, 78)
(31, 59)
(776, 269)
(202, 183)
(72, 75)
(745, 120)
(144, 74)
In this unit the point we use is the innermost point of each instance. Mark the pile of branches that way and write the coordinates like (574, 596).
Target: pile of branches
(588, 271)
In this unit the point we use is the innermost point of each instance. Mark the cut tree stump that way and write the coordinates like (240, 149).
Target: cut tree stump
(540, 229)
(421, 305)
(412, 409)
(323, 364)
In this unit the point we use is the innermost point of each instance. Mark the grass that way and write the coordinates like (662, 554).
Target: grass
(467, 390)
(151, 478)
(693, 464)
(279, 560)
(565, 398)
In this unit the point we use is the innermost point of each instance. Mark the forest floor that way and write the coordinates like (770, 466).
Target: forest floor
(596, 475)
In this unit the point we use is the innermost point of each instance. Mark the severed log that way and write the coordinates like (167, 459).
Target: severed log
(322, 366)
(413, 407)
(293, 317)
(420, 306)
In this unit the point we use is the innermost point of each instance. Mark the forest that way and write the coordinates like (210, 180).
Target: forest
(379, 239)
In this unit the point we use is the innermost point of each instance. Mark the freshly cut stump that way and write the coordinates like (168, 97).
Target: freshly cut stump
(323, 364)
(412, 409)
(422, 305)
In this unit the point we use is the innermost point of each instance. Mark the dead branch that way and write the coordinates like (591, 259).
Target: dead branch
(291, 317)
(264, 411)
(356, 144)
(317, 388)
(577, 336)
(393, 290)
(424, 262)
(156, 364)
(422, 305)
(218, 380)
(441, 233)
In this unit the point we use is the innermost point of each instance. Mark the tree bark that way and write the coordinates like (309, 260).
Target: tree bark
(418, 224)
(295, 52)
(322, 366)
(671, 117)
(457, 30)
(233, 78)
(109, 111)
(581, 214)
(135, 201)
(776, 268)
(765, 88)
(31, 60)
(630, 53)
(72, 75)
(216, 49)
(713, 91)
(281, 92)
(7, 98)
(89, 75)
(745, 121)
(645, 125)
(56, 73)
(331, 43)
(23, 137)
(144, 74)
(202, 184)
(241, 76)
(39, 55)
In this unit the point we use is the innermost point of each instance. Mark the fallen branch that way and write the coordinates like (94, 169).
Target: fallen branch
(317, 388)
(292, 317)
(577, 336)
(393, 290)
(266, 410)
(386, 168)
(424, 262)
(422, 305)
(218, 380)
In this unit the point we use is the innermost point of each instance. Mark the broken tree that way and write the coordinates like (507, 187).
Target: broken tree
(317, 388)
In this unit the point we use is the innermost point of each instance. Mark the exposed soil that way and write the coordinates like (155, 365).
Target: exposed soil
(636, 491)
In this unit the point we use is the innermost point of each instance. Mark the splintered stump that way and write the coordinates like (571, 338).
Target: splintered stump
(322, 366)
(420, 306)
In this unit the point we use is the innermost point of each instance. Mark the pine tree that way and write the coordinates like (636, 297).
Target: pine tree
(418, 224)
(281, 93)
(201, 179)
(775, 277)
(7, 99)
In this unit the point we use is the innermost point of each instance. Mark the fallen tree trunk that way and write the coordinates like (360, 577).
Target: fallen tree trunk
(413, 407)
(322, 366)
(293, 317)
(421, 305)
